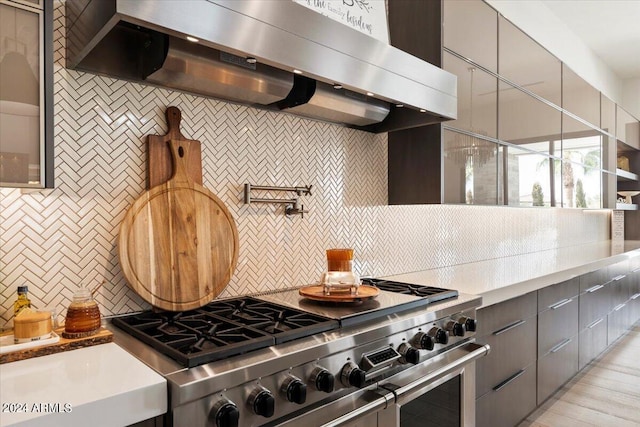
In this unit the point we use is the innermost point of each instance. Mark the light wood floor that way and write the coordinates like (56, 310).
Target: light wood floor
(606, 393)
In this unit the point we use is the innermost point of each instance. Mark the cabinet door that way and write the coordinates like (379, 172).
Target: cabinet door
(579, 97)
(557, 367)
(471, 30)
(512, 348)
(616, 323)
(592, 341)
(509, 402)
(556, 325)
(594, 303)
(552, 296)
(627, 128)
(524, 62)
(496, 317)
(26, 146)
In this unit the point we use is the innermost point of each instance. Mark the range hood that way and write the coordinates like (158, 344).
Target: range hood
(272, 54)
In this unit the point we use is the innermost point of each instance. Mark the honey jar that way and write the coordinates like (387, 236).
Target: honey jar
(83, 316)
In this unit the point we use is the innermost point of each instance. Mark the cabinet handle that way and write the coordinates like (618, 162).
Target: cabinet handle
(635, 296)
(560, 304)
(559, 346)
(508, 380)
(619, 307)
(620, 277)
(595, 288)
(509, 327)
(596, 323)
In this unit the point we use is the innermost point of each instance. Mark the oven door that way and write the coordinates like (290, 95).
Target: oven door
(440, 392)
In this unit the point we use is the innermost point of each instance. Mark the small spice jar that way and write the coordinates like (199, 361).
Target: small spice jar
(83, 316)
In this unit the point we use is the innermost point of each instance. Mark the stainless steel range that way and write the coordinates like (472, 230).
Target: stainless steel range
(280, 359)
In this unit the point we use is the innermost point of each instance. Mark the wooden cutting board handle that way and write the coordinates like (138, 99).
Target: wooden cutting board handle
(160, 161)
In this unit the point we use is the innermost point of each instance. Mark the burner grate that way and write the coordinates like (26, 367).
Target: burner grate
(432, 294)
(221, 329)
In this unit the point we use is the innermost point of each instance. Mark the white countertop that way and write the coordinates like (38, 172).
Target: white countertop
(500, 279)
(95, 386)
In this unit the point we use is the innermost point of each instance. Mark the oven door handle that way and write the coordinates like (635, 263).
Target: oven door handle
(472, 351)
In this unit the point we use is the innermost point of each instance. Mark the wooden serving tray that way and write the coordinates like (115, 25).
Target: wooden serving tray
(316, 292)
(65, 344)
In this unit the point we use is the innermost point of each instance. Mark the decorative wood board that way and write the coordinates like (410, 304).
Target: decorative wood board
(178, 243)
(159, 158)
(102, 337)
(316, 292)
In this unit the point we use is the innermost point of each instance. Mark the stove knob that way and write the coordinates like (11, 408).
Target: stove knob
(322, 379)
(429, 339)
(440, 336)
(352, 375)
(409, 354)
(469, 323)
(225, 413)
(295, 390)
(456, 329)
(424, 341)
(262, 402)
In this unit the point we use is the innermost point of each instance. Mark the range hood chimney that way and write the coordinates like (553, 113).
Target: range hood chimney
(272, 54)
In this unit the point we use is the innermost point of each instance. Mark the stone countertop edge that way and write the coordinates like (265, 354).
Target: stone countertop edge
(95, 386)
(500, 279)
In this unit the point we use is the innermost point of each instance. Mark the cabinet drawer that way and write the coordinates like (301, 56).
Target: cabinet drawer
(619, 269)
(555, 294)
(594, 303)
(615, 323)
(619, 291)
(556, 325)
(509, 404)
(511, 350)
(557, 367)
(595, 278)
(497, 316)
(592, 341)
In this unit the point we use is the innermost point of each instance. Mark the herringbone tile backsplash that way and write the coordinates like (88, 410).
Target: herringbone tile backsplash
(57, 240)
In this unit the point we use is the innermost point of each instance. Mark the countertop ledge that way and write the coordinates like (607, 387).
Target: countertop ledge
(500, 279)
(97, 386)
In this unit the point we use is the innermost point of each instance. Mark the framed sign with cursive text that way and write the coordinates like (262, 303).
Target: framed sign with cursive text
(366, 16)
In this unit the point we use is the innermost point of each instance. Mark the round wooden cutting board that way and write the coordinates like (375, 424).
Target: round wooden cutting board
(178, 243)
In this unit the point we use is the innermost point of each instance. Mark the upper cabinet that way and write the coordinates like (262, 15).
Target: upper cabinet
(529, 132)
(26, 93)
(470, 30)
(579, 97)
(627, 128)
(527, 64)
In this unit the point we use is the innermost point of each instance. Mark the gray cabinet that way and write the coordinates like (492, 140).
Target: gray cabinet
(557, 336)
(509, 402)
(592, 341)
(595, 304)
(506, 377)
(540, 340)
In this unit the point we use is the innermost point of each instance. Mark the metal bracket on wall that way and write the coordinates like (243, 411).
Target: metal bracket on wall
(292, 206)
